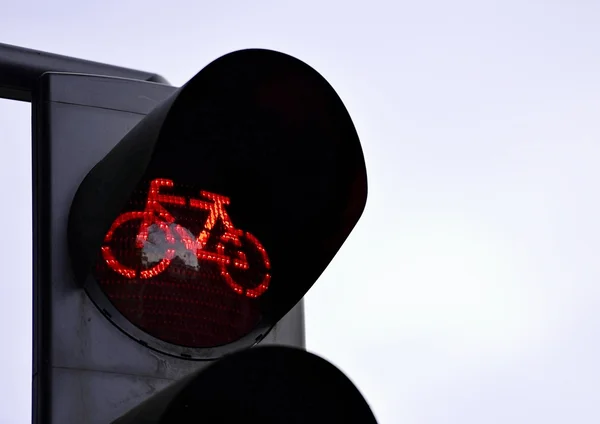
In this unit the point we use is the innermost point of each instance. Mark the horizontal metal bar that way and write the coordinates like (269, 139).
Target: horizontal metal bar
(20, 68)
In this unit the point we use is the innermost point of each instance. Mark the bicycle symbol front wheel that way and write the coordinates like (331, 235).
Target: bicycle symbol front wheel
(240, 274)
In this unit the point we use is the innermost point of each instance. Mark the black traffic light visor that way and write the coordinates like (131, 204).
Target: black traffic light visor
(269, 385)
(270, 134)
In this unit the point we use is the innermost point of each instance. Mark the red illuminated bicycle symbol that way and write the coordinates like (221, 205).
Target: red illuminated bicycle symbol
(155, 218)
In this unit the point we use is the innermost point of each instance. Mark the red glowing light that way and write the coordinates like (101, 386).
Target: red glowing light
(174, 265)
(156, 221)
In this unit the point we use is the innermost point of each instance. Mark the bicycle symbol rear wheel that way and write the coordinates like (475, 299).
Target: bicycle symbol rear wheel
(158, 255)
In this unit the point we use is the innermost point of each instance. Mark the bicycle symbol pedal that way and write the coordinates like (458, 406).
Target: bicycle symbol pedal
(161, 239)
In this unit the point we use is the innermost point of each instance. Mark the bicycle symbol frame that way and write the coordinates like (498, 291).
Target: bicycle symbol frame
(156, 215)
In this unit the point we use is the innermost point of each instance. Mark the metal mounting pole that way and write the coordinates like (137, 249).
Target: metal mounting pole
(20, 68)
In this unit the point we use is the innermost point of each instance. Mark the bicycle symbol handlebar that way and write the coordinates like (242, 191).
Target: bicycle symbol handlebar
(156, 220)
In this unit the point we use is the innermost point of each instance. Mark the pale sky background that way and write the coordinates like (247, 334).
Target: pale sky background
(468, 293)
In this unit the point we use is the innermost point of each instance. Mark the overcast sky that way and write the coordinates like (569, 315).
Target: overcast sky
(468, 292)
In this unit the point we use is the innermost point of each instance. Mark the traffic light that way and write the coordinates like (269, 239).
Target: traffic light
(176, 227)
(271, 384)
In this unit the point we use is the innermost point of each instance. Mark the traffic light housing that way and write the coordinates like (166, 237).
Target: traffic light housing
(177, 226)
(272, 384)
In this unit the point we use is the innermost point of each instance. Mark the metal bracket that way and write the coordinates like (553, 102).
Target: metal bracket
(20, 68)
